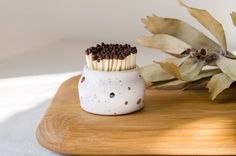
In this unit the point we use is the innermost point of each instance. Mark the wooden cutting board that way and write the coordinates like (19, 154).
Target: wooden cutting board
(172, 122)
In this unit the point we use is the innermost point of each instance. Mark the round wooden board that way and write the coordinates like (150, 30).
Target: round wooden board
(173, 122)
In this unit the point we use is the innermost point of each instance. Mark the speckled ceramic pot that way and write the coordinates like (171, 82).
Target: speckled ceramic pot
(111, 93)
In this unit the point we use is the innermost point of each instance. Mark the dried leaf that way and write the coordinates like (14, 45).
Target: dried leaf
(156, 84)
(233, 16)
(154, 72)
(202, 78)
(228, 66)
(176, 83)
(209, 22)
(171, 68)
(170, 60)
(191, 68)
(218, 83)
(207, 73)
(188, 70)
(179, 29)
(173, 84)
(196, 84)
(166, 43)
(230, 55)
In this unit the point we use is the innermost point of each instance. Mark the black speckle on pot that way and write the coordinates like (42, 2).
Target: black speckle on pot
(120, 81)
(140, 76)
(126, 102)
(112, 95)
(115, 114)
(139, 101)
(82, 79)
(129, 88)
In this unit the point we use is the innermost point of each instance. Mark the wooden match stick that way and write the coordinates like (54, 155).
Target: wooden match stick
(111, 57)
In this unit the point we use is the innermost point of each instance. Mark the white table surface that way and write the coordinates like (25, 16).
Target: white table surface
(27, 85)
(23, 102)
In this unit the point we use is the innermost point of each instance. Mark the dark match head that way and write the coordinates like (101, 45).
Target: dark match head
(110, 51)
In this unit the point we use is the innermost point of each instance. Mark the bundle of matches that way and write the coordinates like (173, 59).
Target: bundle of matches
(111, 57)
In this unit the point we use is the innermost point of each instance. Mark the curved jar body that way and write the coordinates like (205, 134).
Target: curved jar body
(111, 93)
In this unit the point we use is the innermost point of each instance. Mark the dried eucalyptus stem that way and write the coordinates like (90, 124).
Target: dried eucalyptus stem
(191, 50)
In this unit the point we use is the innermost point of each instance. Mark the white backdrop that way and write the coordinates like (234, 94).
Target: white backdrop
(30, 24)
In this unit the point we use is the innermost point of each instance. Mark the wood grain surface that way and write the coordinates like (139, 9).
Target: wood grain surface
(173, 122)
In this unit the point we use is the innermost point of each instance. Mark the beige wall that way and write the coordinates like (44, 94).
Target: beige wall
(27, 24)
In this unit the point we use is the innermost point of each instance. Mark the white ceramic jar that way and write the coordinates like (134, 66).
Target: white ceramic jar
(111, 93)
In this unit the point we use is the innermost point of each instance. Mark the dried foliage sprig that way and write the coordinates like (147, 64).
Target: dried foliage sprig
(191, 50)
